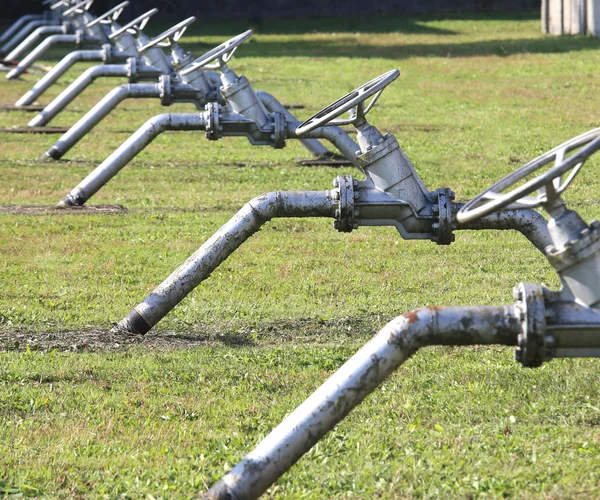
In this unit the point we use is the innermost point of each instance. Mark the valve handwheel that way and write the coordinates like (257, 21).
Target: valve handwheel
(353, 99)
(110, 15)
(169, 37)
(221, 53)
(548, 184)
(134, 26)
(79, 8)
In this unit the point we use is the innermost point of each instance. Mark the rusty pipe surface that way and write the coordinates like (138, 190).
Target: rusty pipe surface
(528, 222)
(27, 61)
(32, 39)
(57, 71)
(273, 105)
(24, 33)
(98, 113)
(128, 150)
(357, 378)
(18, 24)
(79, 85)
(221, 245)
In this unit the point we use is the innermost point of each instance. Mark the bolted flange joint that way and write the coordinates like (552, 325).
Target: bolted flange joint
(107, 53)
(443, 209)
(534, 345)
(279, 130)
(344, 195)
(132, 72)
(213, 131)
(166, 94)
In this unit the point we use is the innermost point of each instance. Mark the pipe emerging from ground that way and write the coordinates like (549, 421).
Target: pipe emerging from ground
(221, 245)
(32, 39)
(356, 379)
(81, 83)
(24, 33)
(98, 113)
(56, 72)
(128, 150)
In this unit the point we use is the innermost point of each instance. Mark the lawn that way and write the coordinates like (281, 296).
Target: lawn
(85, 413)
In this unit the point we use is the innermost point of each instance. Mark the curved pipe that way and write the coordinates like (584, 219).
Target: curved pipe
(33, 39)
(56, 72)
(528, 222)
(273, 105)
(221, 245)
(83, 81)
(18, 24)
(98, 113)
(128, 150)
(24, 33)
(356, 379)
(35, 54)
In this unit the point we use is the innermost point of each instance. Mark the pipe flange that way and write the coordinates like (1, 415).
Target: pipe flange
(79, 38)
(445, 225)
(279, 130)
(107, 54)
(164, 86)
(213, 132)
(344, 194)
(533, 343)
(132, 71)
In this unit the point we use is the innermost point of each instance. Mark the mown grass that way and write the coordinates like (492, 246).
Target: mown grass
(477, 97)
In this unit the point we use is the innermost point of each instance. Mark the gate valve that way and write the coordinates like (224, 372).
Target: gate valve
(386, 167)
(575, 248)
(170, 38)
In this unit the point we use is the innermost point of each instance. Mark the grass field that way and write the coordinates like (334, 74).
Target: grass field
(86, 414)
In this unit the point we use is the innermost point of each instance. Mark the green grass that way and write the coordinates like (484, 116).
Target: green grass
(477, 97)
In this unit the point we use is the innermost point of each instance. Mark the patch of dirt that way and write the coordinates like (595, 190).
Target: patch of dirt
(31, 108)
(315, 331)
(34, 130)
(53, 210)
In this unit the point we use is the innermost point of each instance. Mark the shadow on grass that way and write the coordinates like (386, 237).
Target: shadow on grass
(348, 47)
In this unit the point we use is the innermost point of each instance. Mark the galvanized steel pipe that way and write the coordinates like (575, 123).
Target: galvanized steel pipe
(20, 68)
(24, 33)
(98, 112)
(357, 378)
(57, 71)
(223, 243)
(128, 150)
(33, 39)
(18, 24)
(79, 85)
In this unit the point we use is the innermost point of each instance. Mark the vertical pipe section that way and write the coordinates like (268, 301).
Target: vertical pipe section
(98, 113)
(357, 378)
(128, 150)
(221, 245)
(32, 39)
(56, 72)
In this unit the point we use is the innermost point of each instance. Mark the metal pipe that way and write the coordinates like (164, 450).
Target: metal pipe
(33, 39)
(27, 61)
(128, 150)
(24, 32)
(335, 135)
(78, 86)
(357, 378)
(528, 222)
(223, 243)
(56, 72)
(97, 113)
(273, 105)
(18, 24)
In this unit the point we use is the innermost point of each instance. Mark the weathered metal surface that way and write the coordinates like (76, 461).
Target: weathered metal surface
(223, 243)
(357, 378)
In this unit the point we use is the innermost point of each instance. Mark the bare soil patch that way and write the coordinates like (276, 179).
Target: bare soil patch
(34, 130)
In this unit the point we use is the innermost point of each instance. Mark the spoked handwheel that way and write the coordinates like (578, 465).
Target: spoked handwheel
(169, 37)
(135, 26)
(548, 185)
(110, 15)
(353, 102)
